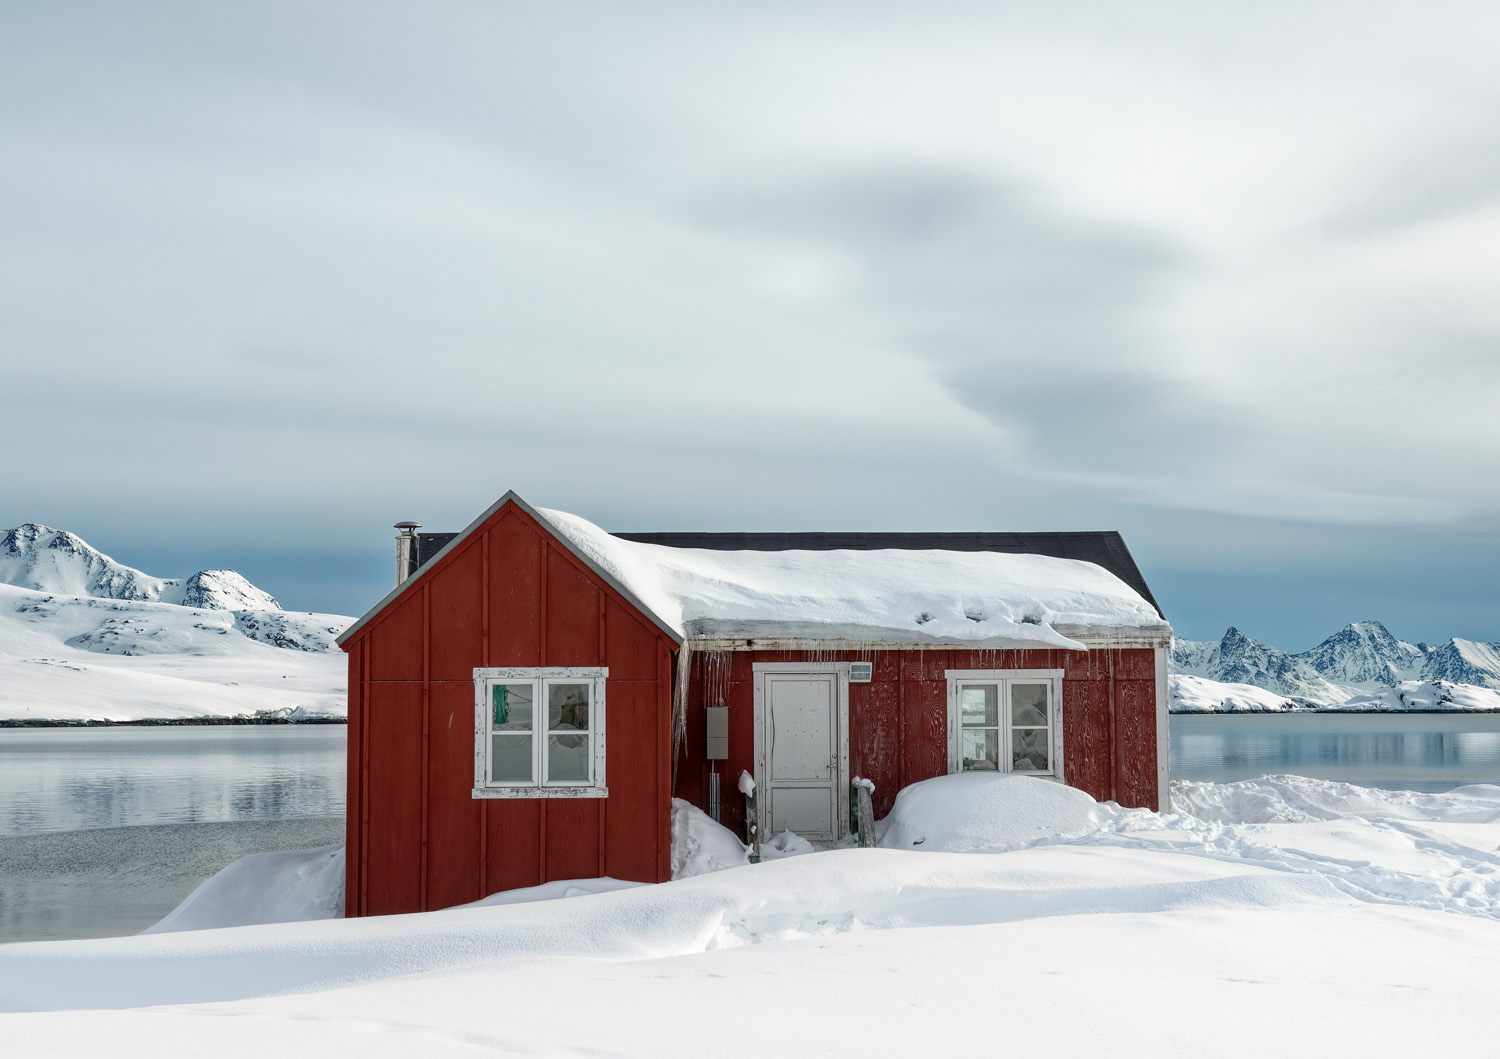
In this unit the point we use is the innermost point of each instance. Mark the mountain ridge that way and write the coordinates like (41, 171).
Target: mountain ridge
(1361, 657)
(43, 559)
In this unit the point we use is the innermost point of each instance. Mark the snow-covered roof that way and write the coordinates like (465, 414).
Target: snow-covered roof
(887, 596)
(989, 599)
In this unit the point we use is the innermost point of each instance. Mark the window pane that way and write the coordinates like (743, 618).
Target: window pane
(510, 759)
(1028, 750)
(567, 759)
(1028, 704)
(981, 751)
(981, 704)
(568, 707)
(510, 707)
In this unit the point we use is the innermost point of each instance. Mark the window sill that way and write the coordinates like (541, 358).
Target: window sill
(540, 792)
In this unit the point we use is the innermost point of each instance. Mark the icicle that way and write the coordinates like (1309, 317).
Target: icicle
(716, 665)
(679, 706)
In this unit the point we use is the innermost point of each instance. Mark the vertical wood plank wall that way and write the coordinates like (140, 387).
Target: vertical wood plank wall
(899, 721)
(508, 596)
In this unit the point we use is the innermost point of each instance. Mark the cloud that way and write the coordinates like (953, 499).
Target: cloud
(782, 267)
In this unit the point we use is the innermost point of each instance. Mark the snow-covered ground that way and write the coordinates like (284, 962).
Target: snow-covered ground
(1351, 923)
(83, 637)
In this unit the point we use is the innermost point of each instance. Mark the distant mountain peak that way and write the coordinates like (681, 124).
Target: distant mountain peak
(45, 559)
(1364, 653)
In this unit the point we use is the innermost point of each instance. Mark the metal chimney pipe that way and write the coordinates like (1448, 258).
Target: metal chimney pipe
(406, 549)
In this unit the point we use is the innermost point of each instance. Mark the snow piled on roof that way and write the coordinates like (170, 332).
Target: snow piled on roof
(989, 599)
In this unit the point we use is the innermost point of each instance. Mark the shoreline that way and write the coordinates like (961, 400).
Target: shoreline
(145, 722)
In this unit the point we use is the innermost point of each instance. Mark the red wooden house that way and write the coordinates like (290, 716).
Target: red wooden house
(527, 701)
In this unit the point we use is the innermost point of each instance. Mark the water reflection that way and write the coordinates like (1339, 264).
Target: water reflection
(61, 779)
(106, 829)
(1431, 752)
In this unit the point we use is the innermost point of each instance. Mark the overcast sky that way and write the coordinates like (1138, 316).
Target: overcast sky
(1222, 276)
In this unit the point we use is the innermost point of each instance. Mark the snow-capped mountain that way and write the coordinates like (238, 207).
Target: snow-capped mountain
(1464, 662)
(1365, 653)
(84, 637)
(1239, 659)
(44, 559)
(1360, 659)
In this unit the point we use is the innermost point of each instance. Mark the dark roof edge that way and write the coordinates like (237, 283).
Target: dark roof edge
(511, 496)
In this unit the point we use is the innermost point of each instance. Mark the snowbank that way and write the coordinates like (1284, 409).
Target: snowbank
(556, 890)
(282, 887)
(985, 598)
(973, 812)
(1301, 799)
(700, 845)
(1372, 934)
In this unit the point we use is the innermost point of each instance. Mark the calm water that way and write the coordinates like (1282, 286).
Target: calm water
(104, 830)
(1423, 752)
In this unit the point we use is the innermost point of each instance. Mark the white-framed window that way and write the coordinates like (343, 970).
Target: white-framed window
(1005, 721)
(539, 733)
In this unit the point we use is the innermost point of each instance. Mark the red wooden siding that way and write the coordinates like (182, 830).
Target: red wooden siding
(899, 720)
(507, 595)
(393, 830)
(510, 594)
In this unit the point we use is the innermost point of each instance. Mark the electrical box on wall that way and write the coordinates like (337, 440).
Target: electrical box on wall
(861, 672)
(718, 732)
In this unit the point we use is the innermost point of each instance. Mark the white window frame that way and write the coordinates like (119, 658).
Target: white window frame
(1003, 678)
(540, 677)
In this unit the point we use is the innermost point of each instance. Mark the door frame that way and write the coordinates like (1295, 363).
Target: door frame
(841, 713)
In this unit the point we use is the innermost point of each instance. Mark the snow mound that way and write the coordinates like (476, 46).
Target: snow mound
(786, 844)
(977, 812)
(1301, 799)
(699, 845)
(288, 887)
(985, 598)
(553, 891)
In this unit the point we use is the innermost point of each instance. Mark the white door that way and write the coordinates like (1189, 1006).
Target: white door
(802, 754)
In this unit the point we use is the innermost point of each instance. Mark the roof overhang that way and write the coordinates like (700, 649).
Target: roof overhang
(1090, 638)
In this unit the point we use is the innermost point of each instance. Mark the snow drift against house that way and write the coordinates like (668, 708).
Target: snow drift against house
(987, 599)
